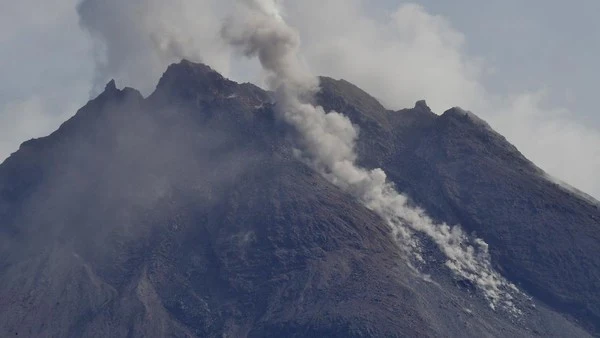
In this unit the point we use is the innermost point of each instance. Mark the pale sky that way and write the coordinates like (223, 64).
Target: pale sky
(533, 44)
(528, 68)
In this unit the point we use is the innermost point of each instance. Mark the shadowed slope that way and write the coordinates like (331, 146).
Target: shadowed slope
(186, 214)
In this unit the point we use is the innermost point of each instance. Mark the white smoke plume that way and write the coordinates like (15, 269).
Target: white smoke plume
(135, 40)
(408, 53)
(327, 142)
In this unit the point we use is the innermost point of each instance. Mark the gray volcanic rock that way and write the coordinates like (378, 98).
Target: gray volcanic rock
(185, 214)
(542, 236)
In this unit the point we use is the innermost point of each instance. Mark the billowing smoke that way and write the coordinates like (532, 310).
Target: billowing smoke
(407, 53)
(327, 142)
(135, 40)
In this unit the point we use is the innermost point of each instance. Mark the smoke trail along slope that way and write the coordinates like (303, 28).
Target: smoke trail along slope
(327, 142)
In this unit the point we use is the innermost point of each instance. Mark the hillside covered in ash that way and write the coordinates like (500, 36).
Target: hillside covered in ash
(190, 214)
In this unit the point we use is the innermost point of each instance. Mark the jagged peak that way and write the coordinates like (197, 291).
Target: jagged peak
(466, 115)
(193, 67)
(346, 97)
(421, 105)
(461, 118)
(111, 86)
(111, 90)
(352, 93)
(199, 82)
(190, 79)
(189, 70)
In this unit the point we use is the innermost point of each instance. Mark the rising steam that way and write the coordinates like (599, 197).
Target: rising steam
(135, 40)
(327, 141)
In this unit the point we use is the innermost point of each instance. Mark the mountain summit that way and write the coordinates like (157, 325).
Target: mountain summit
(187, 214)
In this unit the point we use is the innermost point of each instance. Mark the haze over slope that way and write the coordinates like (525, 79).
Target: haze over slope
(427, 49)
(187, 213)
(410, 53)
(214, 208)
(327, 141)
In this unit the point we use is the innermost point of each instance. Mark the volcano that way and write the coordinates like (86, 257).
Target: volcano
(189, 214)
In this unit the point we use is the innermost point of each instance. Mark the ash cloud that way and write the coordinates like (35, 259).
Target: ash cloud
(134, 41)
(411, 53)
(327, 140)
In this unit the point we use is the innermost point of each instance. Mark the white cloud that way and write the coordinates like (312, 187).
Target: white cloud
(412, 55)
(327, 141)
(136, 40)
(25, 120)
(44, 69)
(409, 54)
(405, 56)
(552, 138)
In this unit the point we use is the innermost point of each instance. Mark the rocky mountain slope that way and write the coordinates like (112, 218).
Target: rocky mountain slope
(186, 214)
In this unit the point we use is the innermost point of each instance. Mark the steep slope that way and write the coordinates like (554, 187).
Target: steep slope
(542, 236)
(186, 214)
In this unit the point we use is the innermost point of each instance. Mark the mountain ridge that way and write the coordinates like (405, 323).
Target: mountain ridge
(201, 158)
